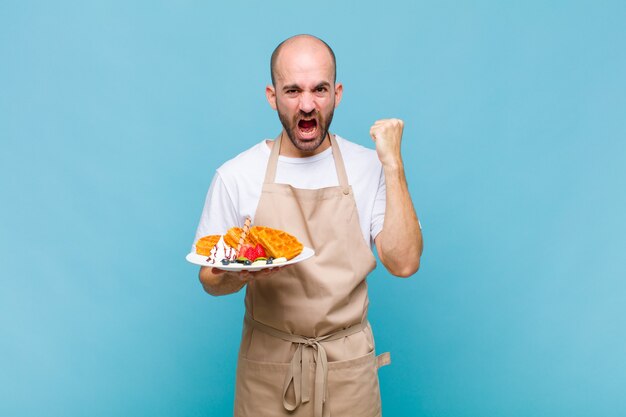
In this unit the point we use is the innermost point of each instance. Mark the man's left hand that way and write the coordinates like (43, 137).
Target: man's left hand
(387, 134)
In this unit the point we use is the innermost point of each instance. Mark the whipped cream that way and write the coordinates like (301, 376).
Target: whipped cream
(221, 251)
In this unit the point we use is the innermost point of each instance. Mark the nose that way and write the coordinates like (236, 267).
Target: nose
(307, 102)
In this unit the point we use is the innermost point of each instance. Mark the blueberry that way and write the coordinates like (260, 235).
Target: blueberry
(247, 262)
(269, 261)
(225, 261)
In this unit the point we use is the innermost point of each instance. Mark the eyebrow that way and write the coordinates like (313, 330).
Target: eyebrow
(323, 84)
(291, 87)
(297, 87)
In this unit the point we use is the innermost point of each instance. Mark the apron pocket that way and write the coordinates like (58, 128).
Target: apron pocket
(259, 390)
(353, 387)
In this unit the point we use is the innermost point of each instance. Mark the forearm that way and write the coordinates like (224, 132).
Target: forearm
(220, 283)
(399, 244)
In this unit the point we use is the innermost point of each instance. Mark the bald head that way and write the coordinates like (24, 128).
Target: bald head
(301, 42)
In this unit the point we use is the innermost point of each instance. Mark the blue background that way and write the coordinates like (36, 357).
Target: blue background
(114, 116)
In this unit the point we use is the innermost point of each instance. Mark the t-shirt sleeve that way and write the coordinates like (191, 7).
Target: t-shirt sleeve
(378, 211)
(219, 213)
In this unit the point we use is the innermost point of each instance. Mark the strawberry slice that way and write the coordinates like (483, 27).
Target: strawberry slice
(259, 251)
(250, 253)
(243, 250)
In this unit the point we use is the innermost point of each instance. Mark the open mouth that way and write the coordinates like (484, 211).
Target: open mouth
(307, 128)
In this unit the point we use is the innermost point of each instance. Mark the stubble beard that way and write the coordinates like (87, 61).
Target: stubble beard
(291, 126)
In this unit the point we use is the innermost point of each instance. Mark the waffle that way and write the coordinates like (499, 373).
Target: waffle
(231, 238)
(277, 243)
(205, 244)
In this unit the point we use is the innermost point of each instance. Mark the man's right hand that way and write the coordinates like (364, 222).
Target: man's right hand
(219, 282)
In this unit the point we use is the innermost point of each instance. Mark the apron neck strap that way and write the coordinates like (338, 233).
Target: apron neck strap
(270, 173)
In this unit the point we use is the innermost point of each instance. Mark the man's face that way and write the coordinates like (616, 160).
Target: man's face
(305, 97)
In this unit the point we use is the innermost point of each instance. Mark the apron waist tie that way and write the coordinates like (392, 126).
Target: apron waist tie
(298, 371)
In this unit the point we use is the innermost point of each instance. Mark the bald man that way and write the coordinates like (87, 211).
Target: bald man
(307, 347)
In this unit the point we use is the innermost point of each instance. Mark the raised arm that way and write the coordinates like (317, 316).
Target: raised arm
(399, 244)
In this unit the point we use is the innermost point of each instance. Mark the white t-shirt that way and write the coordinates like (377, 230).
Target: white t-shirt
(236, 187)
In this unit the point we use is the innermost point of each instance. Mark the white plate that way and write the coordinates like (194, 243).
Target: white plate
(201, 260)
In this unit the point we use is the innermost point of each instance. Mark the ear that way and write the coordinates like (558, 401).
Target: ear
(338, 93)
(270, 93)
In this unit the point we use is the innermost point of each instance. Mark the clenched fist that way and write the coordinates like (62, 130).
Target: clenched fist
(387, 134)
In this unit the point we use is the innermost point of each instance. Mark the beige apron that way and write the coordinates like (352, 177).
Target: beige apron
(307, 348)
